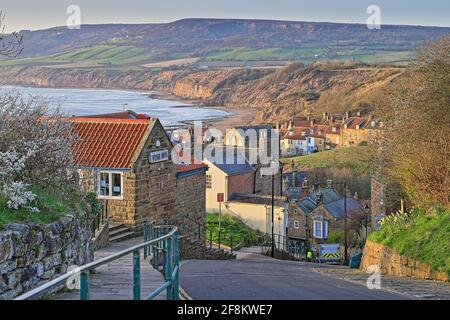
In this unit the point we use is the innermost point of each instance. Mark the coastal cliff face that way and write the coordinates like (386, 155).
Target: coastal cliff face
(273, 94)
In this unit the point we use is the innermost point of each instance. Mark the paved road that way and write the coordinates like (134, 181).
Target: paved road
(256, 277)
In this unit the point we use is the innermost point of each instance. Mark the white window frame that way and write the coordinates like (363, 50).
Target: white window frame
(322, 232)
(296, 224)
(110, 173)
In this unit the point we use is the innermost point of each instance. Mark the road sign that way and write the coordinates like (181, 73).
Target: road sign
(220, 197)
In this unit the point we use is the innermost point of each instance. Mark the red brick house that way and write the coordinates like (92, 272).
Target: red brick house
(125, 158)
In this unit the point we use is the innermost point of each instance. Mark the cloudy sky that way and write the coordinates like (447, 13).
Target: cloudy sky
(41, 14)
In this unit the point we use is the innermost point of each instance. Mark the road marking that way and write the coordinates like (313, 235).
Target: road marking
(183, 294)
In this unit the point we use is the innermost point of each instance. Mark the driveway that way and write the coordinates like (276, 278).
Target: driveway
(257, 277)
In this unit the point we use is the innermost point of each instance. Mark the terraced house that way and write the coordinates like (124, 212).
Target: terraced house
(125, 158)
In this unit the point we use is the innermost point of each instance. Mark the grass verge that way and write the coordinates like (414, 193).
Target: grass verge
(231, 226)
(425, 237)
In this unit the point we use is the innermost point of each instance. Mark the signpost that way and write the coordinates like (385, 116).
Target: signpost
(220, 198)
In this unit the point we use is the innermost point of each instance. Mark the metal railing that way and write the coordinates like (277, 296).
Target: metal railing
(282, 243)
(100, 218)
(160, 241)
(233, 243)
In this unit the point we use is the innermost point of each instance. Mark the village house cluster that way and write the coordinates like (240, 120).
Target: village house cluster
(306, 136)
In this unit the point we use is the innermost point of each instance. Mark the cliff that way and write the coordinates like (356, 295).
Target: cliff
(273, 94)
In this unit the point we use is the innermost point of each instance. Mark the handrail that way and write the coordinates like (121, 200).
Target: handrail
(84, 270)
(297, 251)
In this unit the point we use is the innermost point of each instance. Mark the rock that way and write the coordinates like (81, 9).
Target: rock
(6, 248)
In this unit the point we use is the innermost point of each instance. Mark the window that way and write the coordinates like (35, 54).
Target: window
(320, 229)
(110, 185)
(296, 224)
(208, 181)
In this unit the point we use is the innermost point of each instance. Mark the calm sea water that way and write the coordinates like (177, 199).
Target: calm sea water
(93, 101)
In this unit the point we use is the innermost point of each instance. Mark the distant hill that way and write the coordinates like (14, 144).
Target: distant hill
(221, 40)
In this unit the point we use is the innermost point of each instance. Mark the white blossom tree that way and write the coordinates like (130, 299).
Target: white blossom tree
(35, 151)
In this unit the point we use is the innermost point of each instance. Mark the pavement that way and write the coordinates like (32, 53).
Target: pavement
(114, 281)
(253, 276)
(414, 288)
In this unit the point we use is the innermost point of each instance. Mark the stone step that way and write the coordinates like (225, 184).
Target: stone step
(118, 231)
(115, 225)
(122, 237)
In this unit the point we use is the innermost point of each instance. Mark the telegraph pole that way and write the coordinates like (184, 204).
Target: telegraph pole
(345, 224)
(273, 211)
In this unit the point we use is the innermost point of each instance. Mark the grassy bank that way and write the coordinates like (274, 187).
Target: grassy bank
(357, 158)
(423, 237)
(51, 208)
(231, 226)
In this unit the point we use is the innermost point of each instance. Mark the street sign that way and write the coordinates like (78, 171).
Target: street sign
(220, 197)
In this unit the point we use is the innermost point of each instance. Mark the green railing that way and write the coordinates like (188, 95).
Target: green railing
(160, 243)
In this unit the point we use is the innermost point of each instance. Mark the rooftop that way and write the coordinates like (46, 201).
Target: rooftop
(108, 142)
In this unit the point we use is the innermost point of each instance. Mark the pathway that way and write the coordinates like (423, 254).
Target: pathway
(114, 281)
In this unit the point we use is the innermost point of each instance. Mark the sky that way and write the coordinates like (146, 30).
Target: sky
(41, 14)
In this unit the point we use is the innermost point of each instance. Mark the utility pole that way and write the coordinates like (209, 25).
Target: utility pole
(273, 212)
(345, 224)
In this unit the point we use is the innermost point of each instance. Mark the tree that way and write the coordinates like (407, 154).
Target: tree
(416, 144)
(35, 152)
(10, 45)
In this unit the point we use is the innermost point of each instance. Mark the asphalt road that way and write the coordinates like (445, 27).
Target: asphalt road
(257, 277)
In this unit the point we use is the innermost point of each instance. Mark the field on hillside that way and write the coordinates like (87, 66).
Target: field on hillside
(308, 55)
(101, 54)
(357, 158)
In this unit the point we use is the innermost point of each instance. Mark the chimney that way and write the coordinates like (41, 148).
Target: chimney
(312, 123)
(325, 116)
(332, 119)
(329, 183)
(355, 196)
(277, 125)
(305, 189)
(291, 124)
(348, 114)
(358, 113)
(319, 199)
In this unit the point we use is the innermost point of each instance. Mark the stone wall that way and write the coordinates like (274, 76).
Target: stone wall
(391, 263)
(32, 254)
(191, 205)
(155, 183)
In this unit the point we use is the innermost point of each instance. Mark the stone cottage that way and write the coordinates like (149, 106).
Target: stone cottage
(318, 213)
(125, 158)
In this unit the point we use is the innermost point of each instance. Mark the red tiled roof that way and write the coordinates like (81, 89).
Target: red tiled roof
(128, 114)
(107, 143)
(354, 121)
(295, 135)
